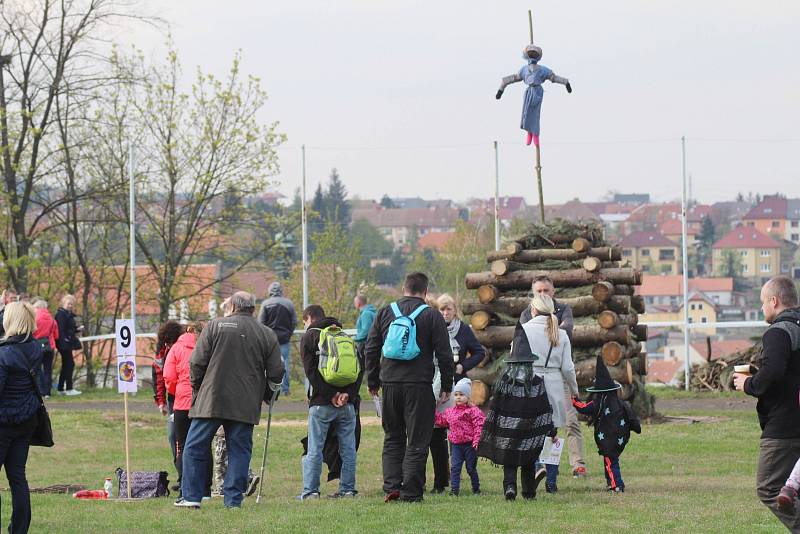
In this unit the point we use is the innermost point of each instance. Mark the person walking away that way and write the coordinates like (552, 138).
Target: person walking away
(554, 365)
(179, 385)
(544, 285)
(20, 363)
(8, 296)
(235, 366)
(464, 422)
(400, 350)
(518, 420)
(776, 386)
(366, 316)
(168, 334)
(467, 352)
(277, 312)
(46, 334)
(333, 389)
(66, 342)
(613, 420)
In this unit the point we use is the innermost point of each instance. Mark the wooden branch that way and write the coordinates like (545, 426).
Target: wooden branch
(571, 277)
(565, 254)
(511, 306)
(582, 336)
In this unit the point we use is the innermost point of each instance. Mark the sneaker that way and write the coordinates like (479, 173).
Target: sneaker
(215, 494)
(540, 475)
(510, 493)
(183, 503)
(252, 485)
(391, 496)
(72, 393)
(550, 488)
(343, 495)
(579, 472)
(618, 489)
(308, 496)
(454, 492)
(786, 499)
(46, 397)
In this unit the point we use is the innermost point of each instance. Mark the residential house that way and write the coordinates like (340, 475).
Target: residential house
(402, 225)
(508, 207)
(664, 373)
(651, 252)
(672, 229)
(434, 240)
(701, 310)
(698, 351)
(667, 290)
(635, 199)
(769, 216)
(758, 254)
(576, 211)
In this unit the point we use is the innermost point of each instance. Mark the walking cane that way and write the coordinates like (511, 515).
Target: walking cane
(266, 443)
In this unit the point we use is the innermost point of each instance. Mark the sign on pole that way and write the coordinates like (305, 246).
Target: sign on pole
(126, 356)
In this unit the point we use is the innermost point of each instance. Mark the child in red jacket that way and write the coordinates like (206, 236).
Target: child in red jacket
(464, 422)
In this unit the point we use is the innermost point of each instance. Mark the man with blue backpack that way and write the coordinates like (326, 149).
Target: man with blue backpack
(334, 373)
(400, 350)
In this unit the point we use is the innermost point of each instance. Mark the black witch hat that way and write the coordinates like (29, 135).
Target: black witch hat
(602, 379)
(520, 347)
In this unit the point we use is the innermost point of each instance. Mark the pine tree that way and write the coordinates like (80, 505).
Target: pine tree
(337, 208)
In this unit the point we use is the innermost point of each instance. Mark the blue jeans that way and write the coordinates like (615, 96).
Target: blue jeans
(612, 472)
(320, 419)
(46, 376)
(197, 459)
(285, 355)
(461, 453)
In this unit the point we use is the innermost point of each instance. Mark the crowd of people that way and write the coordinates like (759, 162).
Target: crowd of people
(211, 380)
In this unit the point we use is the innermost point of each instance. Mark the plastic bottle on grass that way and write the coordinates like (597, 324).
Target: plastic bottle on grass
(109, 487)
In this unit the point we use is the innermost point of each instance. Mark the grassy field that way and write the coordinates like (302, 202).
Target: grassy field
(695, 478)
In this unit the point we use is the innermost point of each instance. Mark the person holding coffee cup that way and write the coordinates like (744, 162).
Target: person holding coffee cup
(777, 386)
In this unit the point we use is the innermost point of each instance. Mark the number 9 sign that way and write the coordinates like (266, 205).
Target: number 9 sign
(125, 337)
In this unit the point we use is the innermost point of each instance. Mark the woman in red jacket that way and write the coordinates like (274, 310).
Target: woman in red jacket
(46, 334)
(178, 381)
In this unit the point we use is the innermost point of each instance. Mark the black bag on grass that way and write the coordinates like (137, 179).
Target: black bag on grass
(146, 484)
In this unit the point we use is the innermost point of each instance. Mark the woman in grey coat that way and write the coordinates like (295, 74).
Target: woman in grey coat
(554, 364)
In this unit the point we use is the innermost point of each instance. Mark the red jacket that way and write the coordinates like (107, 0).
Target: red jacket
(159, 388)
(176, 371)
(46, 326)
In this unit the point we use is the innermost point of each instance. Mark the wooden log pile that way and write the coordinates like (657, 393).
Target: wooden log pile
(587, 276)
(717, 375)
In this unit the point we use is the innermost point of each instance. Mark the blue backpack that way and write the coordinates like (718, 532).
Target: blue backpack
(401, 339)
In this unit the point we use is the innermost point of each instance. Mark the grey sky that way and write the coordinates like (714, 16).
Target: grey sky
(399, 96)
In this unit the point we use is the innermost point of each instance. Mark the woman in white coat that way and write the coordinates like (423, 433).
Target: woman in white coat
(554, 365)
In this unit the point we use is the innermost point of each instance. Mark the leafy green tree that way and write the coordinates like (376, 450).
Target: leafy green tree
(336, 207)
(373, 245)
(386, 202)
(705, 240)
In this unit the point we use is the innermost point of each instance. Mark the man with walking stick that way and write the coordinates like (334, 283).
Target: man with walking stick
(236, 364)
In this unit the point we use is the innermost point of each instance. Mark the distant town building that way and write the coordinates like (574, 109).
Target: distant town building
(399, 225)
(701, 310)
(632, 198)
(651, 252)
(698, 351)
(434, 241)
(508, 207)
(668, 290)
(758, 254)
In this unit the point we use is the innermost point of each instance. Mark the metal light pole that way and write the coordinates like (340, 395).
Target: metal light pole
(685, 260)
(496, 199)
(132, 219)
(304, 222)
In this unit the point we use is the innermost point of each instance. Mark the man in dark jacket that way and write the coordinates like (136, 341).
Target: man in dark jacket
(277, 312)
(235, 365)
(777, 385)
(330, 408)
(408, 404)
(544, 285)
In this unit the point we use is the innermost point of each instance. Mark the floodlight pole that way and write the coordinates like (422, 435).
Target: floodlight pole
(685, 258)
(304, 222)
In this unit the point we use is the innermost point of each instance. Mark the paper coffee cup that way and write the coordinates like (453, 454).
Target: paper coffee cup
(745, 369)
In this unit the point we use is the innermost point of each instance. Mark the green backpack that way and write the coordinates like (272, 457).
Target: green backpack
(338, 361)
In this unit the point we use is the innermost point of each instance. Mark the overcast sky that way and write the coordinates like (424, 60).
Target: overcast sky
(399, 96)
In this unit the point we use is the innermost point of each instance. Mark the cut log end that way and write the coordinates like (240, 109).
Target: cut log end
(581, 245)
(480, 393)
(480, 320)
(487, 294)
(608, 319)
(602, 291)
(611, 352)
(499, 267)
(592, 264)
(512, 249)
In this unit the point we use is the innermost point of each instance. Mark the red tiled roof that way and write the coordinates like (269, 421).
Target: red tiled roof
(255, 282)
(406, 217)
(720, 348)
(434, 240)
(646, 239)
(663, 371)
(672, 285)
(745, 237)
(674, 227)
(772, 207)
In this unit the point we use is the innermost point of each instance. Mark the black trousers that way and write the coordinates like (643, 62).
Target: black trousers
(440, 457)
(67, 366)
(408, 414)
(181, 430)
(14, 445)
(527, 476)
(46, 376)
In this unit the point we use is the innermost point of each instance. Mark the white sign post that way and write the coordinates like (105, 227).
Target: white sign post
(126, 377)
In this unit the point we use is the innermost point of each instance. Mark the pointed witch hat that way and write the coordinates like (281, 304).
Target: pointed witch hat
(602, 379)
(520, 347)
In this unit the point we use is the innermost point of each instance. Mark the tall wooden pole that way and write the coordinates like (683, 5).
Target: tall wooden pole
(538, 150)
(132, 210)
(530, 24)
(496, 200)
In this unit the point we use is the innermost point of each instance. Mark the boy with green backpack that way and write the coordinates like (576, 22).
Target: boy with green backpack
(334, 374)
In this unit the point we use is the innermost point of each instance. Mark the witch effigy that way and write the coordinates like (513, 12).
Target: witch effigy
(533, 75)
(518, 420)
(613, 420)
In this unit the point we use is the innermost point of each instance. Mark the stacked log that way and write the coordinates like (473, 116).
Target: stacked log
(587, 276)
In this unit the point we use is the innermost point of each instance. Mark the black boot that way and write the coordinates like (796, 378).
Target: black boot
(510, 491)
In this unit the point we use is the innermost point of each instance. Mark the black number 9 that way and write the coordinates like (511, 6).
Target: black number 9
(125, 334)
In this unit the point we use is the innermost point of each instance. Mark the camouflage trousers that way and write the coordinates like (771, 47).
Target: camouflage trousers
(221, 462)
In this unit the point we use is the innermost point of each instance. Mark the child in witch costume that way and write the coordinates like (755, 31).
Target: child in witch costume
(534, 75)
(613, 420)
(518, 420)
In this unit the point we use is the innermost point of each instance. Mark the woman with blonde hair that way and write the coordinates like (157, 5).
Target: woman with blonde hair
(20, 363)
(553, 363)
(66, 342)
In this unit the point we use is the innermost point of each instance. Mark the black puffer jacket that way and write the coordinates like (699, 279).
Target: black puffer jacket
(67, 329)
(18, 398)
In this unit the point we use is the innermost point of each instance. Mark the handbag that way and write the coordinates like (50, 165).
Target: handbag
(75, 343)
(43, 433)
(146, 484)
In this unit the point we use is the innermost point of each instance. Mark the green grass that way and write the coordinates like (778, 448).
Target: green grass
(688, 478)
(667, 392)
